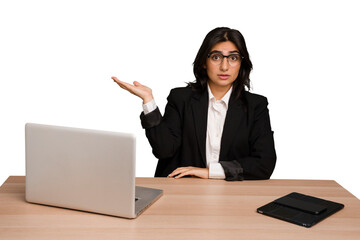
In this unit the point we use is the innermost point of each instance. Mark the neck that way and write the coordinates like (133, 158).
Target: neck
(219, 91)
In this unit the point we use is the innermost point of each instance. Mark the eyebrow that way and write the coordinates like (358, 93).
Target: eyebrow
(217, 51)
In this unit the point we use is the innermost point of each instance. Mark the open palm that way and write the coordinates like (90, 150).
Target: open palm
(142, 91)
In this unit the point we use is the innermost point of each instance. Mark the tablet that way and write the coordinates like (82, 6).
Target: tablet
(300, 209)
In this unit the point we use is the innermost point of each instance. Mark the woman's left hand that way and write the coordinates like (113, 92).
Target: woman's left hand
(190, 171)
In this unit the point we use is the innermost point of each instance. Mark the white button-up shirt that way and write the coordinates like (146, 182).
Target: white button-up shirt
(215, 125)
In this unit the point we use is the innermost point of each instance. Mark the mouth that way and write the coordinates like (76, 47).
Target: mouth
(223, 76)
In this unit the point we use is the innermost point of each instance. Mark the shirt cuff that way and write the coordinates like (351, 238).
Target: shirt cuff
(216, 171)
(149, 107)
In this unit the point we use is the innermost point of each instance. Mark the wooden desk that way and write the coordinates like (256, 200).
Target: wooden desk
(189, 209)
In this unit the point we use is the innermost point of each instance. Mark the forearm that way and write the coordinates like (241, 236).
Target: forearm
(162, 132)
(258, 165)
(252, 169)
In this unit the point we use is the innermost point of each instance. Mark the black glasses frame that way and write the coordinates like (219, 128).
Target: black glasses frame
(225, 56)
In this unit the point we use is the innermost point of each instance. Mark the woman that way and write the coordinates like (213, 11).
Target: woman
(213, 128)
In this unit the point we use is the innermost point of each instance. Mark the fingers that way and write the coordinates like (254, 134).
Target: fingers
(190, 171)
(186, 173)
(177, 172)
(136, 83)
(142, 91)
(127, 86)
(118, 81)
(115, 78)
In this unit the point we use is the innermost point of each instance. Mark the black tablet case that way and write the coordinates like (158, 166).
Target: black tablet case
(300, 209)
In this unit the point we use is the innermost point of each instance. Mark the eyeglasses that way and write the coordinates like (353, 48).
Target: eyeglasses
(217, 58)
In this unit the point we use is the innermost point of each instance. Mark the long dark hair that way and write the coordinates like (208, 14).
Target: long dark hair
(222, 34)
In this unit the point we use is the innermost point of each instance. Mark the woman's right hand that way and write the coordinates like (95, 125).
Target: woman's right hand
(142, 91)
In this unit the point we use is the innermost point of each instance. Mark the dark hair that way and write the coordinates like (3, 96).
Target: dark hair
(222, 34)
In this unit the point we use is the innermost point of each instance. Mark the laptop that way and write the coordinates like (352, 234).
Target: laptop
(300, 209)
(84, 169)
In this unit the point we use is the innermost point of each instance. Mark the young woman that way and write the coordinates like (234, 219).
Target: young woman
(214, 127)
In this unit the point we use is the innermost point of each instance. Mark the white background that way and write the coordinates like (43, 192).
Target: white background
(57, 57)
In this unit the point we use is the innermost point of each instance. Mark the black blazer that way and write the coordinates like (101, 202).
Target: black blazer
(178, 138)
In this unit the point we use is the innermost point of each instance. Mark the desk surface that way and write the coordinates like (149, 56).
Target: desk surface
(190, 208)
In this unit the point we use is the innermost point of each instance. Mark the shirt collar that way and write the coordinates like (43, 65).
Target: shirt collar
(225, 98)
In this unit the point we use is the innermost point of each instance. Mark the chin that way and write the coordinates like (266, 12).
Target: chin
(224, 83)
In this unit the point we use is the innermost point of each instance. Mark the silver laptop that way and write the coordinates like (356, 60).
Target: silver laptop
(83, 169)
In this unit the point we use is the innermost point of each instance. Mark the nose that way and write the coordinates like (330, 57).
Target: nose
(224, 65)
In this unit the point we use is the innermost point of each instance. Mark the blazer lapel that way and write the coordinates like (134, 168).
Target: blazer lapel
(235, 116)
(200, 111)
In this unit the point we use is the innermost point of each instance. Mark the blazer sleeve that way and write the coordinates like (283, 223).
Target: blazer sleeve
(164, 132)
(260, 162)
